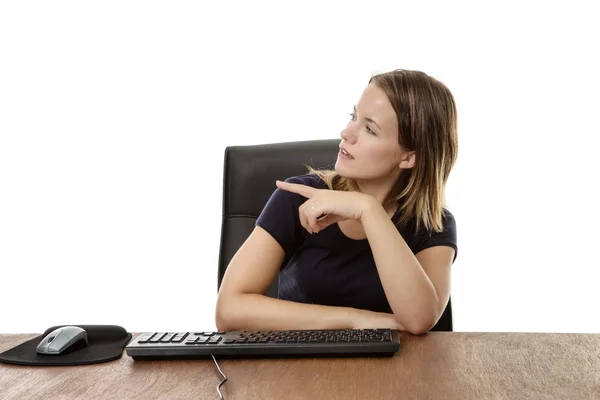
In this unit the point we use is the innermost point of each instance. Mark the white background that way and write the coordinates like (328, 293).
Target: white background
(114, 117)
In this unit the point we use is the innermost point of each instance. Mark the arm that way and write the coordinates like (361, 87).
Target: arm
(416, 286)
(242, 305)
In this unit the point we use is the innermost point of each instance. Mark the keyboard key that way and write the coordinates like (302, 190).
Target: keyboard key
(144, 337)
(167, 338)
(178, 338)
(157, 336)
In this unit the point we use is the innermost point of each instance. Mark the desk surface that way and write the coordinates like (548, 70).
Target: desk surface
(439, 365)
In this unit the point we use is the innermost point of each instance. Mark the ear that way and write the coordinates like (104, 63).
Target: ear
(407, 159)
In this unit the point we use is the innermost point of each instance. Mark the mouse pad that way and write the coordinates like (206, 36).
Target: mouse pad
(105, 343)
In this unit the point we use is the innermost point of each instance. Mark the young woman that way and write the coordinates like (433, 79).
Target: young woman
(371, 243)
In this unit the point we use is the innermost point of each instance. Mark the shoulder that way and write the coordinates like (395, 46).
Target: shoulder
(279, 216)
(448, 225)
(448, 232)
(448, 221)
(430, 238)
(285, 199)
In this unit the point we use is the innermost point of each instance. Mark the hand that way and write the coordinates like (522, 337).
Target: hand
(325, 207)
(364, 319)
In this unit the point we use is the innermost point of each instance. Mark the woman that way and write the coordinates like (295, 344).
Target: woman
(370, 244)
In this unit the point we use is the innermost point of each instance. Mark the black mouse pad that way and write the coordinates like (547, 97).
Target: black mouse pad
(105, 343)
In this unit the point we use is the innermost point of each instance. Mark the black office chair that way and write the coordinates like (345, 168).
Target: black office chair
(249, 179)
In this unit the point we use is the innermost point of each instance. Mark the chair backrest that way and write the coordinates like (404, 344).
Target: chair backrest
(249, 179)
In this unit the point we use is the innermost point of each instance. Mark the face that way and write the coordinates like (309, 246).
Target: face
(371, 140)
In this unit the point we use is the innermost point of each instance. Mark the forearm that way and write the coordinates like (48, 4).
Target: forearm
(259, 312)
(409, 291)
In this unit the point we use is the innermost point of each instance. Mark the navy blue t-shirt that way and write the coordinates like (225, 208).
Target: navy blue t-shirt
(329, 268)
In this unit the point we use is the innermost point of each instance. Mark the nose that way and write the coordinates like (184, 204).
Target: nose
(349, 134)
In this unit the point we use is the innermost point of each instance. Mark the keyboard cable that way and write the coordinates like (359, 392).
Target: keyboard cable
(222, 374)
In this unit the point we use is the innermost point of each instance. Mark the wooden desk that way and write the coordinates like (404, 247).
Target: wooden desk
(439, 365)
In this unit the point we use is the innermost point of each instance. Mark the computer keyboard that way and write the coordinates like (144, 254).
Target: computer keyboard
(264, 344)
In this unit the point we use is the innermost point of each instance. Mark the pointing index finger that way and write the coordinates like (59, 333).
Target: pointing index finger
(302, 190)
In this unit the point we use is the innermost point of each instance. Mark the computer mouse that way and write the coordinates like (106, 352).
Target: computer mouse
(63, 340)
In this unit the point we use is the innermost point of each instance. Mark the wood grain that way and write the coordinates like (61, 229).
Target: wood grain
(439, 365)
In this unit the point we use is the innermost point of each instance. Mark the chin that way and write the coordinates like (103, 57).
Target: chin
(343, 172)
(340, 170)
(352, 172)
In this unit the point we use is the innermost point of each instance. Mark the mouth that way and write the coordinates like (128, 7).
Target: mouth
(344, 154)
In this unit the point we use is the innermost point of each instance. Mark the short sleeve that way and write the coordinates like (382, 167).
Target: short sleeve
(447, 237)
(281, 220)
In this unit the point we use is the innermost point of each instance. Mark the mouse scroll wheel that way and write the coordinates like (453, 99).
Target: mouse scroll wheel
(51, 338)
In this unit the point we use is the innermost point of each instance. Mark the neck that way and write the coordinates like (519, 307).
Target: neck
(380, 189)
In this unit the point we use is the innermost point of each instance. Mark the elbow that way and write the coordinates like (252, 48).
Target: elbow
(225, 322)
(225, 319)
(418, 330)
(424, 320)
(416, 327)
(420, 326)
(222, 323)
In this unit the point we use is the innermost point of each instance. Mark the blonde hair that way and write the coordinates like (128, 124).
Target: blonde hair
(427, 124)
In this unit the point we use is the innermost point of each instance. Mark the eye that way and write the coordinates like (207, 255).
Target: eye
(371, 131)
(352, 116)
